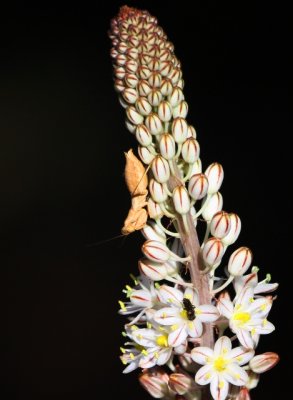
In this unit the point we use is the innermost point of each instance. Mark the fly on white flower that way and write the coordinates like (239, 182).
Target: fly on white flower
(184, 315)
(247, 318)
(221, 366)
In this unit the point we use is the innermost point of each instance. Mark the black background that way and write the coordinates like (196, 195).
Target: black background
(61, 179)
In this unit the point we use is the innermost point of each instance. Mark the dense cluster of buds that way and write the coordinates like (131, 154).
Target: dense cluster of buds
(181, 320)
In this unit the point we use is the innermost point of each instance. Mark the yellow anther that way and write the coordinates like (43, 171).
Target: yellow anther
(157, 285)
(134, 327)
(162, 341)
(220, 364)
(188, 296)
(183, 314)
(197, 311)
(263, 307)
(221, 384)
(122, 305)
(124, 334)
(162, 329)
(174, 327)
(134, 279)
(241, 317)
(207, 376)
(156, 355)
(251, 300)
(170, 300)
(253, 331)
(131, 355)
(264, 322)
(144, 352)
(122, 350)
(149, 325)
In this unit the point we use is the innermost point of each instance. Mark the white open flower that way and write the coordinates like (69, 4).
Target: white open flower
(185, 316)
(221, 366)
(247, 317)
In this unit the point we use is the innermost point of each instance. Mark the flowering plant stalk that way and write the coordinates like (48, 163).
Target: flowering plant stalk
(189, 336)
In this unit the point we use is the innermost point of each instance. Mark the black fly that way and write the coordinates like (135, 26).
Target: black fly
(189, 308)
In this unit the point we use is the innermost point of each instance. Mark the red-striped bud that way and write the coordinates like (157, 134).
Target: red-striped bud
(234, 230)
(145, 155)
(198, 186)
(213, 205)
(179, 130)
(130, 95)
(213, 251)
(155, 97)
(153, 270)
(143, 106)
(157, 191)
(263, 362)
(143, 135)
(190, 150)
(176, 96)
(181, 110)
(165, 111)
(239, 262)
(167, 146)
(215, 175)
(160, 169)
(166, 87)
(133, 116)
(181, 200)
(154, 210)
(156, 251)
(220, 224)
(154, 124)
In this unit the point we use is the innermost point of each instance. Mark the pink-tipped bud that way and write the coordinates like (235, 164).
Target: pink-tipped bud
(198, 186)
(167, 146)
(181, 200)
(239, 261)
(154, 124)
(156, 251)
(154, 210)
(190, 150)
(181, 110)
(234, 230)
(213, 251)
(160, 169)
(214, 204)
(143, 135)
(165, 111)
(220, 224)
(152, 231)
(152, 270)
(263, 362)
(133, 116)
(176, 96)
(181, 383)
(155, 383)
(157, 191)
(179, 130)
(145, 155)
(143, 106)
(215, 175)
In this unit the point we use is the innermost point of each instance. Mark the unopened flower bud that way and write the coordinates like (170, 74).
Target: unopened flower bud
(132, 53)
(263, 362)
(120, 73)
(165, 111)
(155, 79)
(175, 75)
(160, 169)
(179, 130)
(155, 97)
(198, 186)
(152, 231)
(130, 126)
(130, 95)
(119, 85)
(156, 251)
(145, 155)
(181, 199)
(144, 72)
(213, 251)
(154, 124)
(215, 175)
(143, 88)
(181, 383)
(120, 59)
(131, 80)
(240, 261)
(214, 204)
(152, 270)
(165, 67)
(235, 229)
(133, 116)
(196, 168)
(175, 97)
(190, 150)
(166, 87)
(143, 135)
(131, 66)
(122, 47)
(143, 106)
(243, 394)
(156, 384)
(154, 210)
(167, 146)
(181, 110)
(157, 191)
(220, 224)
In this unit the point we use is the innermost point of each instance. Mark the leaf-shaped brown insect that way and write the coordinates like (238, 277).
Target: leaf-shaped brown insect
(137, 181)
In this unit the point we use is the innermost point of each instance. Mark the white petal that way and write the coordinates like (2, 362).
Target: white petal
(235, 375)
(245, 338)
(164, 356)
(240, 282)
(207, 313)
(192, 295)
(145, 337)
(177, 337)
(141, 298)
(265, 328)
(240, 355)
(167, 316)
(204, 375)
(261, 306)
(201, 355)
(148, 361)
(181, 349)
(170, 295)
(130, 367)
(222, 346)
(245, 296)
(194, 328)
(225, 307)
(265, 288)
(219, 388)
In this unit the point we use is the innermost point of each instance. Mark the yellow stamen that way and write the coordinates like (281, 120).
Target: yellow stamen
(122, 305)
(162, 341)
(221, 384)
(131, 355)
(122, 350)
(174, 327)
(220, 364)
(241, 317)
(183, 314)
(144, 352)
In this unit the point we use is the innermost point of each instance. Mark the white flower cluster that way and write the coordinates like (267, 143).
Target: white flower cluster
(166, 318)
